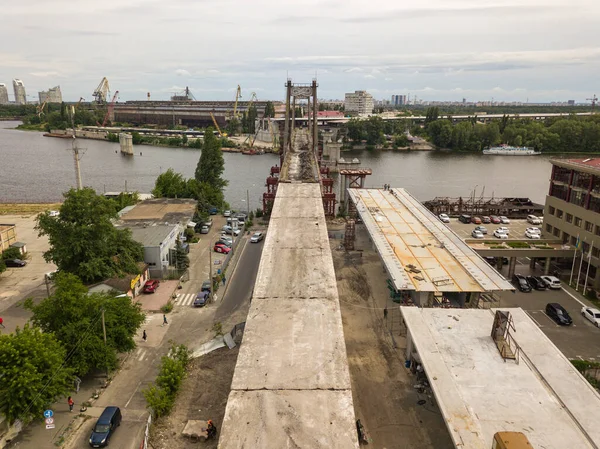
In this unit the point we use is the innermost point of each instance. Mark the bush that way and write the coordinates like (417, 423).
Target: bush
(112, 137)
(259, 213)
(370, 147)
(189, 233)
(518, 244)
(168, 307)
(11, 253)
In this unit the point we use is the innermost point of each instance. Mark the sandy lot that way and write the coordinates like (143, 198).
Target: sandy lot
(382, 388)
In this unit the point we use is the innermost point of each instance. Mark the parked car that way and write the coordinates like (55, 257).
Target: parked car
(492, 260)
(521, 283)
(15, 263)
(213, 211)
(204, 229)
(241, 217)
(552, 282)
(481, 229)
(221, 248)
(226, 240)
(504, 229)
(208, 223)
(504, 220)
(464, 218)
(532, 235)
(477, 234)
(151, 285)
(558, 313)
(227, 213)
(536, 282)
(495, 219)
(201, 299)
(257, 237)
(485, 219)
(106, 425)
(53, 213)
(533, 220)
(444, 218)
(229, 230)
(500, 235)
(476, 220)
(534, 230)
(206, 287)
(591, 314)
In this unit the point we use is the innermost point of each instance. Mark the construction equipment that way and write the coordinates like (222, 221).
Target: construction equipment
(217, 126)
(594, 99)
(40, 108)
(79, 102)
(111, 108)
(102, 92)
(238, 95)
(187, 95)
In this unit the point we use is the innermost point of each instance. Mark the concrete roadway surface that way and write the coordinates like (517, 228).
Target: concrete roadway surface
(188, 325)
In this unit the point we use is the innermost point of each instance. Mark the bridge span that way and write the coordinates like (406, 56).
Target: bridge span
(291, 386)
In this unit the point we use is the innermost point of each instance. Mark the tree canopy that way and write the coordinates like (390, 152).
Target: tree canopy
(269, 110)
(32, 373)
(74, 317)
(84, 241)
(209, 170)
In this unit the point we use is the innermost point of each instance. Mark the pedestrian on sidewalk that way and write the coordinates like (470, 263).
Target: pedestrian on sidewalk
(144, 336)
(71, 403)
(2, 323)
(224, 279)
(165, 319)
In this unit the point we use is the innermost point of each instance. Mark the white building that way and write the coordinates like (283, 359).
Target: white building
(360, 102)
(20, 95)
(3, 94)
(158, 242)
(52, 95)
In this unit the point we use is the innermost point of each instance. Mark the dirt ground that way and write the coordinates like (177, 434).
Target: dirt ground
(382, 388)
(27, 208)
(202, 397)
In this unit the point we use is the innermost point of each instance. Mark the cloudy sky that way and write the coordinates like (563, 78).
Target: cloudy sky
(541, 50)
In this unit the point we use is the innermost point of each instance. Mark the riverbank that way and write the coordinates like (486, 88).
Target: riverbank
(27, 208)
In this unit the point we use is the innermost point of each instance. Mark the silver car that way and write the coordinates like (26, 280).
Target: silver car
(257, 237)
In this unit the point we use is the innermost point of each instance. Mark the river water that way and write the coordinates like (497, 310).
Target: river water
(34, 168)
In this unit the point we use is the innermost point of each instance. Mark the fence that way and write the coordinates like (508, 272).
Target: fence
(144, 442)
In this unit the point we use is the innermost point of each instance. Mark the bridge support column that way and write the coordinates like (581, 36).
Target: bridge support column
(512, 263)
(547, 266)
(499, 263)
(532, 263)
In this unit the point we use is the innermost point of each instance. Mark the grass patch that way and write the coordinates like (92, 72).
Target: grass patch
(489, 242)
(543, 246)
(518, 245)
(497, 247)
(27, 208)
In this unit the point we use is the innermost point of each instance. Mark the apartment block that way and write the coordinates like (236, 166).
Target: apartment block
(20, 95)
(360, 102)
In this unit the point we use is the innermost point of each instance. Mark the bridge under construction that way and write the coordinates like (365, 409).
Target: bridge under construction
(291, 386)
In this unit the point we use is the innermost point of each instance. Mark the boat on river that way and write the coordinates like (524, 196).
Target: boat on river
(508, 150)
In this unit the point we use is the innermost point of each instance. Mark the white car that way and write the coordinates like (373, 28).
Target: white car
(533, 220)
(477, 234)
(504, 220)
(227, 213)
(230, 230)
(504, 230)
(500, 235)
(551, 282)
(534, 230)
(591, 314)
(532, 235)
(444, 218)
(256, 237)
(481, 229)
(53, 213)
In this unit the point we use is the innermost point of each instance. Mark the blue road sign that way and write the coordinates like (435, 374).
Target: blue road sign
(48, 413)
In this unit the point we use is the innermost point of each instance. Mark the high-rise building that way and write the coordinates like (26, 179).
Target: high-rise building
(52, 95)
(398, 100)
(360, 102)
(3, 94)
(20, 95)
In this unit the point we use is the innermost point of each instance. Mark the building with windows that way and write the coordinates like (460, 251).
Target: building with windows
(399, 100)
(572, 209)
(360, 102)
(20, 95)
(52, 95)
(3, 94)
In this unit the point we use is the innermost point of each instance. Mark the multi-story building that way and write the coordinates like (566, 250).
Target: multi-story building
(398, 100)
(52, 95)
(572, 211)
(3, 94)
(360, 102)
(20, 95)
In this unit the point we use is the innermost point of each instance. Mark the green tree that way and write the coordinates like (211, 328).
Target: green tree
(170, 184)
(401, 141)
(431, 115)
(355, 130)
(374, 130)
(32, 373)
(84, 241)
(269, 110)
(182, 261)
(125, 199)
(233, 126)
(210, 169)
(74, 317)
(2, 266)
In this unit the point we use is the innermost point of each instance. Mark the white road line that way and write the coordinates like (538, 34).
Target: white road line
(142, 356)
(133, 394)
(185, 299)
(576, 299)
(536, 321)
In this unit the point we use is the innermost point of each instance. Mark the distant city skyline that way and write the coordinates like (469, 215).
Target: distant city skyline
(541, 50)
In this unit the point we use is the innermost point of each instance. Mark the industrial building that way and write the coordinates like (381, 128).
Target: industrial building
(3, 94)
(572, 210)
(492, 370)
(52, 95)
(360, 102)
(427, 263)
(19, 89)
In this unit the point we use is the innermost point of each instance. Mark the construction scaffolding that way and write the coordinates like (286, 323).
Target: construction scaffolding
(510, 207)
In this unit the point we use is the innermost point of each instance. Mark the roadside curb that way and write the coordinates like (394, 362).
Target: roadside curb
(235, 266)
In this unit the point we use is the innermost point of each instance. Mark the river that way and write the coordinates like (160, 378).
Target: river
(34, 168)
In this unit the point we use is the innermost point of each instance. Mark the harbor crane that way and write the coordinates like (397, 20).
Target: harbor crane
(102, 92)
(111, 108)
(594, 99)
(238, 95)
(221, 134)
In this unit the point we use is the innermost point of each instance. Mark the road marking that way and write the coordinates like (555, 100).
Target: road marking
(133, 394)
(141, 354)
(536, 321)
(149, 318)
(576, 299)
(186, 299)
(579, 357)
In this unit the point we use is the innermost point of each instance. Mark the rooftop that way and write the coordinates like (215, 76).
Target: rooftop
(407, 234)
(479, 393)
(588, 164)
(165, 210)
(152, 235)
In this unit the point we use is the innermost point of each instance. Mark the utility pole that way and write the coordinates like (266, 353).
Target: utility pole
(75, 149)
(248, 202)
(47, 286)
(210, 278)
(104, 332)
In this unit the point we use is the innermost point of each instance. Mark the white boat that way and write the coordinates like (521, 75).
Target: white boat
(508, 150)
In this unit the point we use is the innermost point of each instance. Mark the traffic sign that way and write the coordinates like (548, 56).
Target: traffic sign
(48, 414)
(50, 426)
(49, 420)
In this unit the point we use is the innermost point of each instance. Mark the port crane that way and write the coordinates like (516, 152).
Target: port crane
(594, 99)
(238, 95)
(111, 108)
(102, 92)
(221, 134)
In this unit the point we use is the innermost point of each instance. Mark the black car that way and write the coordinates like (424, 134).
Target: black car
(536, 282)
(493, 260)
(15, 263)
(206, 287)
(521, 283)
(558, 313)
(109, 420)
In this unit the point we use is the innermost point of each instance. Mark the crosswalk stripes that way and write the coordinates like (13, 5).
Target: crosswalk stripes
(149, 318)
(141, 354)
(186, 299)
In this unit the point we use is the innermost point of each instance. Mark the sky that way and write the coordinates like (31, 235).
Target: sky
(505, 50)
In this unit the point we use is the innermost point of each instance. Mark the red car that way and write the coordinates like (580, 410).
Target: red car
(222, 248)
(495, 219)
(476, 220)
(151, 286)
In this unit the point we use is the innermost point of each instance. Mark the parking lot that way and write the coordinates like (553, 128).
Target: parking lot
(516, 228)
